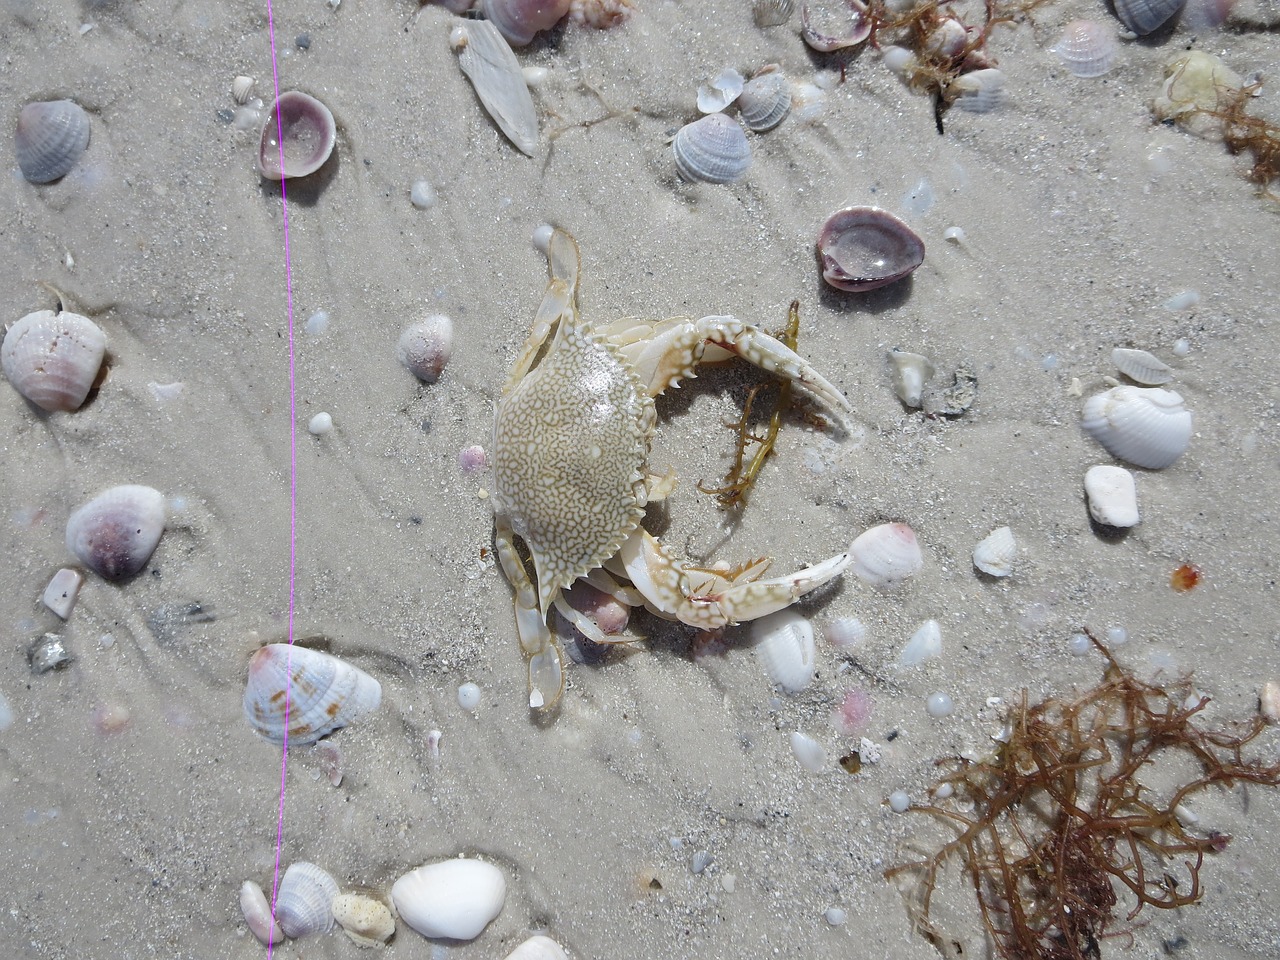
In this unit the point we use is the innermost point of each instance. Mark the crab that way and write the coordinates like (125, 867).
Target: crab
(572, 433)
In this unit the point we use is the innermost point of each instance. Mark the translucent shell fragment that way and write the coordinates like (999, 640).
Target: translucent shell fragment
(862, 248)
(322, 693)
(486, 58)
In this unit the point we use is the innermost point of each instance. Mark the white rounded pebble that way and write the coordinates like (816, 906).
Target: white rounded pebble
(320, 424)
(1117, 636)
(939, 705)
(1112, 494)
(422, 195)
(317, 323)
(469, 697)
(535, 76)
(454, 899)
(835, 916)
(542, 237)
(899, 801)
(808, 752)
(1079, 645)
(1183, 300)
(943, 791)
(728, 882)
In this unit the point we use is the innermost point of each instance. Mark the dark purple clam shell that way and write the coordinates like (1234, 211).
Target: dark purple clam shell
(862, 248)
(309, 133)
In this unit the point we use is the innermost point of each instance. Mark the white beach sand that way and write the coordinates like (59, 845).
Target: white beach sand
(134, 843)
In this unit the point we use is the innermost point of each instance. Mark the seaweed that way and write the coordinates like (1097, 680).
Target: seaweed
(1056, 827)
(1242, 132)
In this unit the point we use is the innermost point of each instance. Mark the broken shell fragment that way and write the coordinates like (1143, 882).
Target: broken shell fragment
(50, 137)
(257, 914)
(765, 100)
(711, 150)
(862, 248)
(60, 595)
(600, 14)
(115, 533)
(297, 137)
(1140, 366)
(886, 555)
(304, 902)
(1147, 426)
(455, 899)
(366, 921)
(1112, 494)
(808, 752)
(784, 643)
(320, 693)
(426, 346)
(54, 359)
(1088, 48)
(910, 372)
(925, 644)
(1198, 86)
(538, 948)
(489, 63)
(720, 91)
(996, 552)
(520, 20)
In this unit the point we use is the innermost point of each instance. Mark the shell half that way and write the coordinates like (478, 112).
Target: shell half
(765, 100)
(304, 902)
(489, 63)
(784, 643)
(115, 533)
(454, 898)
(1142, 367)
(1147, 426)
(54, 359)
(1088, 48)
(996, 553)
(711, 150)
(886, 555)
(319, 692)
(51, 136)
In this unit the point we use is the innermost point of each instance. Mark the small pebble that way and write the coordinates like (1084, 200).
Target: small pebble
(944, 791)
(317, 323)
(835, 916)
(320, 424)
(60, 595)
(1079, 645)
(899, 801)
(1117, 636)
(701, 860)
(48, 653)
(106, 641)
(939, 705)
(6, 714)
(422, 195)
(303, 41)
(728, 882)
(1181, 347)
(469, 697)
(472, 459)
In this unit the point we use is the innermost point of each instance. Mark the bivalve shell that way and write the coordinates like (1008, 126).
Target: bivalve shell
(115, 533)
(1112, 494)
(1146, 426)
(426, 346)
(299, 130)
(520, 20)
(765, 100)
(772, 13)
(366, 922)
(979, 91)
(242, 89)
(488, 62)
(1141, 366)
(453, 898)
(886, 555)
(996, 553)
(257, 914)
(784, 643)
(320, 692)
(1088, 48)
(538, 948)
(711, 150)
(54, 359)
(925, 644)
(304, 902)
(720, 91)
(1146, 16)
(862, 248)
(51, 136)
(809, 753)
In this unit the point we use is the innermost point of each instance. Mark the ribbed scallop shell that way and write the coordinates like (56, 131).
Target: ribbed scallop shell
(1088, 48)
(1146, 16)
(772, 13)
(304, 902)
(489, 63)
(784, 644)
(53, 359)
(326, 693)
(712, 150)
(765, 100)
(886, 555)
(521, 20)
(996, 553)
(1141, 366)
(1146, 426)
(115, 533)
(980, 91)
(50, 138)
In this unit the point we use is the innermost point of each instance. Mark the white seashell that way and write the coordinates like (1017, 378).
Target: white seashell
(242, 89)
(808, 752)
(325, 694)
(925, 644)
(1088, 48)
(712, 150)
(1269, 702)
(1146, 426)
(489, 63)
(1146, 16)
(426, 346)
(601, 14)
(1141, 366)
(979, 91)
(720, 91)
(50, 138)
(765, 100)
(115, 533)
(910, 372)
(53, 359)
(886, 555)
(902, 63)
(772, 13)
(60, 595)
(1113, 496)
(844, 633)
(304, 902)
(996, 553)
(454, 898)
(257, 914)
(366, 921)
(538, 948)
(784, 643)
(519, 21)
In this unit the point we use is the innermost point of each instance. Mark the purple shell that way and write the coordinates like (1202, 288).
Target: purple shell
(862, 248)
(309, 134)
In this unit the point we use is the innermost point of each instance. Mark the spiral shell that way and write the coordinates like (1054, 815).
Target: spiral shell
(1088, 48)
(306, 129)
(712, 150)
(304, 902)
(50, 138)
(53, 359)
(115, 533)
(520, 20)
(1147, 426)
(323, 694)
(765, 100)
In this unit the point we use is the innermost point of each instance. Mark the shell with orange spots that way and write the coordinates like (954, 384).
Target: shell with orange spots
(316, 691)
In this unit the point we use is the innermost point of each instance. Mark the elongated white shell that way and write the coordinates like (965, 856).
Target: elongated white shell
(538, 948)
(765, 100)
(53, 359)
(886, 555)
(60, 595)
(784, 644)
(1141, 366)
(489, 63)
(925, 644)
(326, 693)
(366, 921)
(454, 898)
(909, 372)
(1113, 496)
(996, 553)
(712, 150)
(1146, 426)
(257, 914)
(1088, 48)
(50, 138)
(809, 753)
(115, 533)
(304, 902)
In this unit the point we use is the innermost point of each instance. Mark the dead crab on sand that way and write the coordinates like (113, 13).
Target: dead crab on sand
(571, 476)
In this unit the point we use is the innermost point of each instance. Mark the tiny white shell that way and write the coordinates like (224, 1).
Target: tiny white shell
(1113, 496)
(60, 595)
(257, 914)
(242, 89)
(426, 346)
(324, 693)
(720, 91)
(886, 555)
(489, 63)
(979, 91)
(538, 948)
(996, 553)
(1146, 426)
(925, 644)
(808, 752)
(453, 898)
(784, 643)
(366, 922)
(304, 902)
(909, 372)
(115, 533)
(1141, 366)
(1088, 48)
(765, 100)
(844, 633)
(712, 150)
(1269, 702)
(50, 138)
(53, 359)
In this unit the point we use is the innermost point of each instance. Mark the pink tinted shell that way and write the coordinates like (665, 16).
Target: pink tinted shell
(307, 130)
(520, 20)
(862, 248)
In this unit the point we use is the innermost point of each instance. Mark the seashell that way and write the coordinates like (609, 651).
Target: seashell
(851, 29)
(366, 921)
(1200, 15)
(724, 88)
(886, 555)
(772, 13)
(299, 130)
(538, 948)
(712, 150)
(784, 643)
(1088, 48)
(1146, 426)
(925, 644)
(426, 346)
(60, 595)
(910, 372)
(53, 359)
(453, 898)
(1146, 16)
(325, 694)
(979, 91)
(1112, 494)
(50, 137)
(765, 100)
(48, 652)
(996, 553)
(947, 39)
(520, 20)
(808, 752)
(862, 248)
(845, 633)
(257, 914)
(600, 14)
(304, 902)
(1141, 366)
(1197, 86)
(489, 63)
(242, 89)
(115, 533)
(1269, 702)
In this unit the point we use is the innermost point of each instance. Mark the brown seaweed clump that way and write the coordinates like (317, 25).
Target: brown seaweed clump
(1244, 133)
(1057, 828)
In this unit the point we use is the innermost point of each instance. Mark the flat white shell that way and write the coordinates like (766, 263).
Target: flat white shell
(304, 900)
(711, 150)
(784, 643)
(1141, 366)
(1113, 496)
(115, 533)
(366, 921)
(996, 552)
(326, 693)
(538, 948)
(489, 63)
(60, 595)
(1146, 426)
(257, 914)
(925, 644)
(808, 752)
(53, 359)
(844, 633)
(454, 898)
(886, 555)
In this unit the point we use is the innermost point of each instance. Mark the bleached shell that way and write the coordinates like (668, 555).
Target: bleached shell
(489, 63)
(844, 633)
(772, 13)
(53, 359)
(453, 898)
(366, 921)
(1141, 366)
(538, 948)
(304, 902)
(1146, 426)
(765, 100)
(996, 553)
(980, 91)
(1269, 702)
(426, 346)
(521, 20)
(886, 555)
(909, 372)
(1146, 16)
(50, 138)
(60, 595)
(601, 14)
(1088, 48)
(242, 89)
(1112, 494)
(257, 914)
(809, 753)
(325, 695)
(784, 643)
(712, 150)
(115, 533)
(720, 91)
(925, 644)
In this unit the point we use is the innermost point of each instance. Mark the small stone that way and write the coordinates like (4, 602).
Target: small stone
(320, 424)
(469, 697)
(48, 653)
(835, 916)
(899, 801)
(60, 595)
(939, 705)
(422, 195)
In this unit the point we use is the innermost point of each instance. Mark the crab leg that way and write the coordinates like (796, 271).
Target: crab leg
(546, 670)
(559, 304)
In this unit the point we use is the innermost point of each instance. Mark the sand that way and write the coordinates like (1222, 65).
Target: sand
(135, 799)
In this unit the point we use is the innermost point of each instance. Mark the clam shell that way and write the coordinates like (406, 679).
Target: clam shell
(1141, 366)
(426, 346)
(242, 89)
(50, 137)
(366, 921)
(453, 898)
(1146, 16)
(711, 150)
(538, 948)
(848, 21)
(304, 902)
(1147, 426)
(308, 132)
(845, 633)
(784, 643)
(862, 248)
(325, 695)
(257, 914)
(115, 533)
(886, 555)
(53, 359)
(720, 91)
(996, 553)
(765, 100)
(1088, 48)
(772, 13)
(979, 91)
(519, 21)
(489, 63)
(1112, 494)
(925, 644)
